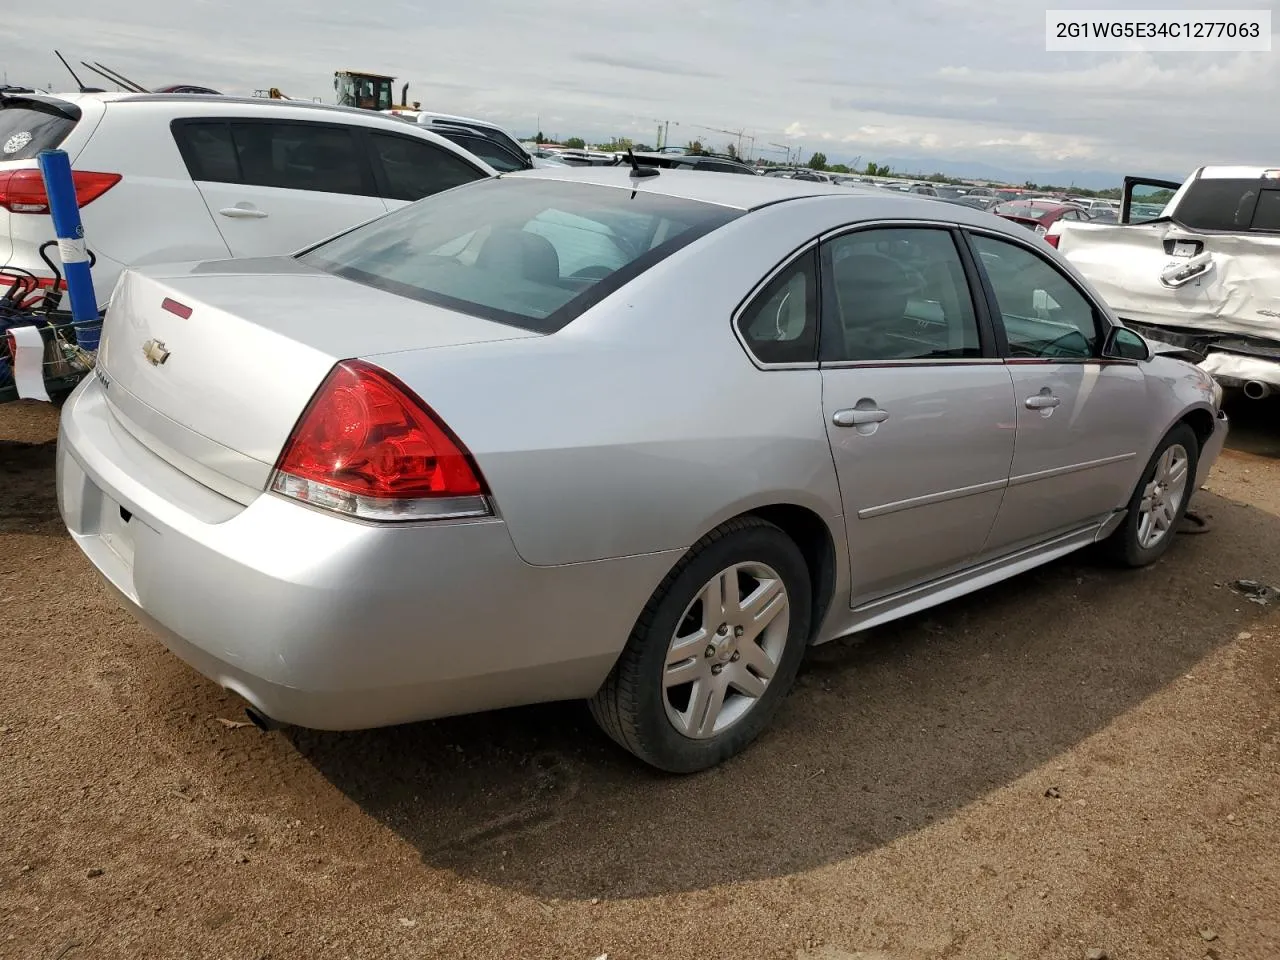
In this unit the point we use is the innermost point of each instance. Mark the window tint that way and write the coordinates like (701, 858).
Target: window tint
(532, 253)
(1213, 204)
(899, 294)
(494, 154)
(413, 169)
(28, 128)
(299, 156)
(781, 323)
(1044, 314)
(208, 150)
(1267, 216)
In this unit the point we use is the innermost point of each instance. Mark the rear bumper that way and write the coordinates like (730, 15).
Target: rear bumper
(326, 623)
(1236, 369)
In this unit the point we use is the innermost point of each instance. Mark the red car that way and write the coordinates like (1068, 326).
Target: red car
(1039, 215)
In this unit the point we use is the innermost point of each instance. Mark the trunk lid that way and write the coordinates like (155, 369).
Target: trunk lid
(210, 365)
(1163, 274)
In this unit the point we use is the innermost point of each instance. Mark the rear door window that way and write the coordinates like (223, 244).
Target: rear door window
(301, 156)
(494, 154)
(1218, 204)
(28, 127)
(411, 169)
(1267, 215)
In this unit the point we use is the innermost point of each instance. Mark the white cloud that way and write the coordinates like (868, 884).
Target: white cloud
(935, 79)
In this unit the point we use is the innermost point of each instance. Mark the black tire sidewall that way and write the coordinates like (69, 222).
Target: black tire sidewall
(1126, 546)
(668, 748)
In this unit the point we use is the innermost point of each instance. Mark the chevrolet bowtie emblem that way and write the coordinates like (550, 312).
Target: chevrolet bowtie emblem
(155, 352)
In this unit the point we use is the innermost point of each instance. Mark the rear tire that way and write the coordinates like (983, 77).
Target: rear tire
(701, 677)
(1159, 502)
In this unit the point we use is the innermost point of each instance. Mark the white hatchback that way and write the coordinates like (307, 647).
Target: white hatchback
(179, 177)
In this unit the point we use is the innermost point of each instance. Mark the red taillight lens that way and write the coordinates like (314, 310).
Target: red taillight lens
(1051, 239)
(22, 191)
(367, 447)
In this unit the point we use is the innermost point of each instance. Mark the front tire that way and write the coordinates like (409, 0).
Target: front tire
(714, 651)
(1159, 502)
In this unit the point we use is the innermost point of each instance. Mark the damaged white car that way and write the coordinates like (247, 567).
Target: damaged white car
(1197, 265)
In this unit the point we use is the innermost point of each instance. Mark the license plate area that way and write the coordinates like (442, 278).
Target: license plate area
(114, 528)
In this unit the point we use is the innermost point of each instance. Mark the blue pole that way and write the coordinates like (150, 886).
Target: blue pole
(55, 168)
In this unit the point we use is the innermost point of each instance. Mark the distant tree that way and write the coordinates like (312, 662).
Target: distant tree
(575, 143)
(540, 137)
(818, 161)
(643, 148)
(732, 151)
(838, 168)
(693, 146)
(877, 170)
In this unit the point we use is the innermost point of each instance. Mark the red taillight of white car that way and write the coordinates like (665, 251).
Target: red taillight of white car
(1052, 239)
(368, 448)
(22, 191)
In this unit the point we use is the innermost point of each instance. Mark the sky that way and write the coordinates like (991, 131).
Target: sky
(945, 81)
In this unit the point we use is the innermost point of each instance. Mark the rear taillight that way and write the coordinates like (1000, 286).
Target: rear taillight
(1051, 239)
(368, 448)
(22, 191)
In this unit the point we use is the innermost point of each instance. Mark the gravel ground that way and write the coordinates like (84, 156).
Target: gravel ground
(1076, 761)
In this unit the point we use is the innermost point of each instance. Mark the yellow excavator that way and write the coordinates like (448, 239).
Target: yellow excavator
(354, 88)
(370, 91)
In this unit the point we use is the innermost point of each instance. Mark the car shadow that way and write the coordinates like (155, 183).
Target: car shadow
(1253, 424)
(886, 732)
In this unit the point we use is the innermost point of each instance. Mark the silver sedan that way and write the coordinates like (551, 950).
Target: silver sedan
(633, 436)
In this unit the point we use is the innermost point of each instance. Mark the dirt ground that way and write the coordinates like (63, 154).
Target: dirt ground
(1078, 760)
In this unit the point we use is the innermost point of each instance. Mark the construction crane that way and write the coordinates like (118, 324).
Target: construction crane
(664, 128)
(740, 134)
(785, 148)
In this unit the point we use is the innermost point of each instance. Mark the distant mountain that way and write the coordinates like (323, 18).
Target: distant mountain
(977, 170)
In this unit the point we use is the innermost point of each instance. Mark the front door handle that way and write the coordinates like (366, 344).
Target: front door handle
(1042, 401)
(243, 213)
(856, 417)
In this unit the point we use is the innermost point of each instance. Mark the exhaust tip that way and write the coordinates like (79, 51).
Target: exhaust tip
(260, 720)
(1256, 390)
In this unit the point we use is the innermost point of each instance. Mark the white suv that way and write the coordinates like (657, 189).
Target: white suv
(179, 177)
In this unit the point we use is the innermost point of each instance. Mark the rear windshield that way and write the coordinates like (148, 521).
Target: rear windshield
(1221, 204)
(27, 127)
(527, 252)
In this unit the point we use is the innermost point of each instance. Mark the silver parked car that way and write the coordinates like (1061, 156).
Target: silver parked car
(631, 436)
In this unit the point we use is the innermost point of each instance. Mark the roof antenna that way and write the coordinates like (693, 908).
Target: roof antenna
(636, 169)
(121, 78)
(70, 71)
(111, 79)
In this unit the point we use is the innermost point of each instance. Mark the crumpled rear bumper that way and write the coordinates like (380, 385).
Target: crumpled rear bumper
(1237, 369)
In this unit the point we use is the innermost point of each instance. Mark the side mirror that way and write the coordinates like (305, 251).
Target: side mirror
(1123, 344)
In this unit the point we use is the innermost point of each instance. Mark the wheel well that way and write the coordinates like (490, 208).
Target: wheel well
(813, 537)
(1201, 423)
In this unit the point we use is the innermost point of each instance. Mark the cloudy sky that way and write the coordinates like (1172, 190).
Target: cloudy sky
(945, 80)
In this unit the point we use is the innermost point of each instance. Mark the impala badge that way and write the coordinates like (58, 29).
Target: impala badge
(155, 352)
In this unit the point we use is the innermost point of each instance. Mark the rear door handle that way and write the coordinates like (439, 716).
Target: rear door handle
(243, 213)
(856, 418)
(1042, 401)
